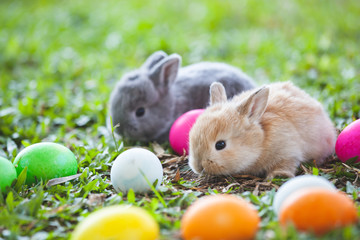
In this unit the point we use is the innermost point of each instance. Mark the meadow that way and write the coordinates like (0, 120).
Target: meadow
(59, 61)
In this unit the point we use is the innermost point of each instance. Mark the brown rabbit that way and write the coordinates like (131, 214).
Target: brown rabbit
(263, 132)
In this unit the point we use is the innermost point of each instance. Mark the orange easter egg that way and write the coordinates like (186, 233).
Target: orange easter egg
(220, 217)
(318, 210)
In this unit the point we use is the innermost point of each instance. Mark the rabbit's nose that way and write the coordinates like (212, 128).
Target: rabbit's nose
(195, 164)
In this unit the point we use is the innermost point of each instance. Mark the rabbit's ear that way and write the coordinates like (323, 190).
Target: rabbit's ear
(254, 106)
(164, 73)
(153, 59)
(217, 93)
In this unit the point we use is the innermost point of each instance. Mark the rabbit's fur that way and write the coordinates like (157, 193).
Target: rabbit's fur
(146, 102)
(267, 132)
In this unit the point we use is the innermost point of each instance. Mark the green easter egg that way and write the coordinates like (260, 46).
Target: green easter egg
(46, 161)
(7, 173)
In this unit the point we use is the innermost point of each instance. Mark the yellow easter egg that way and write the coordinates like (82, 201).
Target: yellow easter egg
(117, 222)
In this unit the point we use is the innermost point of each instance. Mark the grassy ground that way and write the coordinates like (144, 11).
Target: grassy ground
(60, 59)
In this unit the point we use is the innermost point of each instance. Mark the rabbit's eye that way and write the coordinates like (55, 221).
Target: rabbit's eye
(140, 112)
(219, 145)
(133, 77)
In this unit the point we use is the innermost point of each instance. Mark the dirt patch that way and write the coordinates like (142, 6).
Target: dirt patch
(176, 169)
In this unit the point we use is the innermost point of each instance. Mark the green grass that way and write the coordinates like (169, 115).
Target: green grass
(59, 61)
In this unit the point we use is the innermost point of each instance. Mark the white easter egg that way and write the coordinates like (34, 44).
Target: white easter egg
(131, 169)
(300, 182)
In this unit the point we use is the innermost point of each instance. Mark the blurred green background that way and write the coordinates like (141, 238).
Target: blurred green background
(59, 61)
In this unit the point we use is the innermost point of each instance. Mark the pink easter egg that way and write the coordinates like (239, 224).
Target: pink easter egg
(179, 132)
(348, 142)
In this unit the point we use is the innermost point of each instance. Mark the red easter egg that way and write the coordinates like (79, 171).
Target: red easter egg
(179, 132)
(348, 142)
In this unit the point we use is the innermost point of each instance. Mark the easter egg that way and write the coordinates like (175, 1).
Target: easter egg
(7, 173)
(348, 142)
(46, 161)
(220, 217)
(318, 210)
(179, 132)
(300, 182)
(131, 169)
(117, 223)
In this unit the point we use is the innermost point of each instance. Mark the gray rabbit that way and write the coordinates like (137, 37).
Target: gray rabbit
(147, 101)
